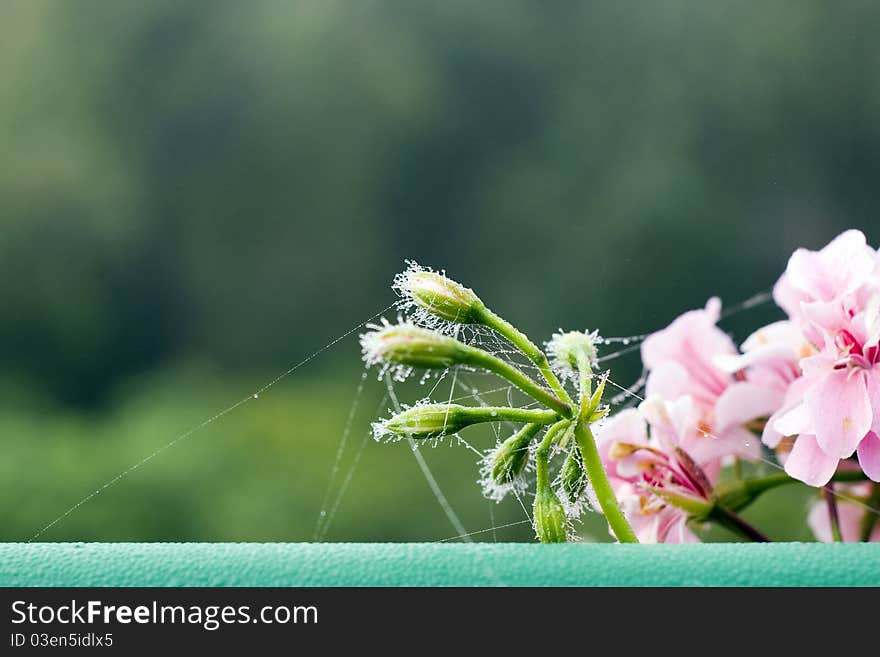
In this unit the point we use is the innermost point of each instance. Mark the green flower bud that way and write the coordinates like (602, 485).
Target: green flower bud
(510, 459)
(551, 525)
(408, 345)
(573, 477)
(425, 420)
(436, 294)
(567, 349)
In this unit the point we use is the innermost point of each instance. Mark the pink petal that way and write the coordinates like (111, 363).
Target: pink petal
(685, 417)
(743, 402)
(772, 436)
(808, 463)
(793, 399)
(693, 341)
(669, 380)
(739, 442)
(829, 315)
(793, 422)
(628, 426)
(788, 297)
(837, 270)
(815, 367)
(784, 332)
(673, 527)
(670, 421)
(874, 396)
(849, 261)
(841, 411)
(776, 354)
(869, 456)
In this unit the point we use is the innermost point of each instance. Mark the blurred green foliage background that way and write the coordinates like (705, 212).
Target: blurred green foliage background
(194, 196)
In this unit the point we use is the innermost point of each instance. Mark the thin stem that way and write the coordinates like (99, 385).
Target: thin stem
(585, 370)
(522, 381)
(601, 486)
(831, 501)
(543, 451)
(592, 461)
(738, 495)
(521, 341)
(734, 522)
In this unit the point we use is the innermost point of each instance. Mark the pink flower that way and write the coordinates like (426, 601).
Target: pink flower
(834, 410)
(829, 282)
(693, 357)
(675, 462)
(850, 515)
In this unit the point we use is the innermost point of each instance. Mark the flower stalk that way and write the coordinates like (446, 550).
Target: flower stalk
(521, 341)
(412, 346)
(437, 420)
(551, 524)
(735, 523)
(590, 454)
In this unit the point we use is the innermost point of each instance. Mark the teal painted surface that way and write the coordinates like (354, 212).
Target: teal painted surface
(432, 564)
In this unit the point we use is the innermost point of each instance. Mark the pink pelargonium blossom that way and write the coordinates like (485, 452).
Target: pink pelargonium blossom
(851, 513)
(648, 472)
(834, 409)
(693, 357)
(821, 289)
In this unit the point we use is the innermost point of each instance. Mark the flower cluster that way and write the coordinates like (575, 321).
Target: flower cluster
(808, 386)
(435, 304)
(801, 395)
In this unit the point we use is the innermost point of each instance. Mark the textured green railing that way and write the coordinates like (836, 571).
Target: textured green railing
(432, 564)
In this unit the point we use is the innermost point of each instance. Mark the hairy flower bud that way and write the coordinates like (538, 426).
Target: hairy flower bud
(438, 295)
(567, 350)
(509, 460)
(411, 346)
(425, 420)
(551, 525)
(573, 477)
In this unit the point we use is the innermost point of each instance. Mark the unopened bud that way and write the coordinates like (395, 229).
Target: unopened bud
(425, 421)
(439, 295)
(566, 351)
(411, 346)
(551, 525)
(573, 477)
(510, 459)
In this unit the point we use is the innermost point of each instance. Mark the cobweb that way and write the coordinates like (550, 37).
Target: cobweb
(457, 385)
(463, 385)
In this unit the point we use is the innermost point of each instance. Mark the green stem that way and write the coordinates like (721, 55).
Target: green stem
(585, 369)
(543, 451)
(738, 495)
(521, 341)
(592, 462)
(601, 486)
(727, 518)
(487, 361)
